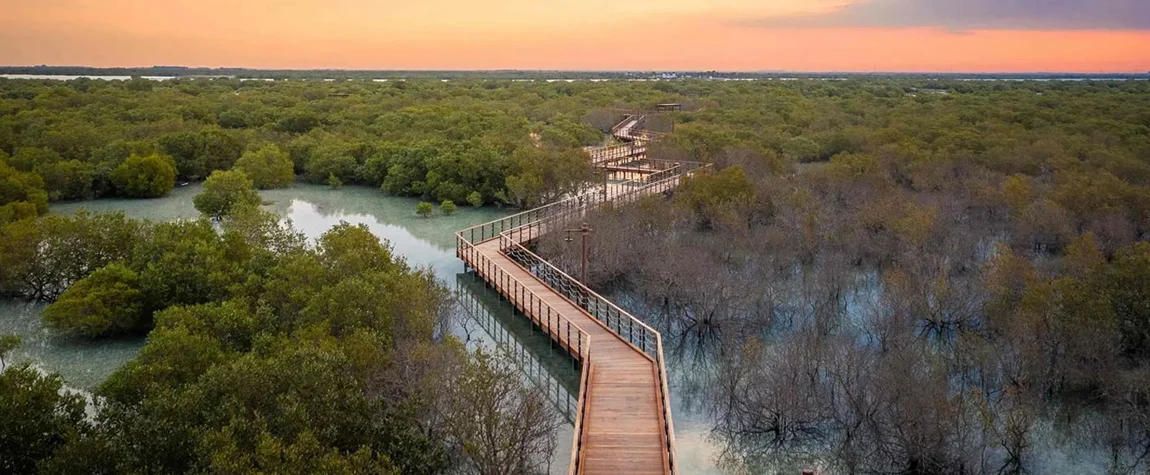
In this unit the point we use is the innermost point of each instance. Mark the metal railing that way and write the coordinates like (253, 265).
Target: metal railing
(627, 119)
(629, 328)
(515, 230)
(623, 129)
(568, 335)
(577, 441)
(589, 200)
(614, 153)
(626, 326)
(647, 135)
(532, 364)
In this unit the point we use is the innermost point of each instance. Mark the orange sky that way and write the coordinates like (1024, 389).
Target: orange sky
(548, 34)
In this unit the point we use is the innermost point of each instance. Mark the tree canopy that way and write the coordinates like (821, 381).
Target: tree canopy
(264, 353)
(267, 166)
(148, 176)
(225, 192)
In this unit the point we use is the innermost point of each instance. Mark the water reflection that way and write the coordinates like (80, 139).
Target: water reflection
(485, 319)
(787, 398)
(82, 364)
(542, 362)
(423, 242)
(492, 322)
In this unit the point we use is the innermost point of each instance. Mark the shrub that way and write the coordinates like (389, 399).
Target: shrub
(108, 302)
(149, 176)
(475, 199)
(424, 209)
(224, 191)
(447, 207)
(268, 167)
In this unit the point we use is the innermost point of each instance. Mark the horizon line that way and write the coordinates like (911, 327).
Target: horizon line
(561, 70)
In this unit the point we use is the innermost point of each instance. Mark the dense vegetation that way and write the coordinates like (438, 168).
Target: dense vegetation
(183, 71)
(473, 142)
(256, 360)
(886, 277)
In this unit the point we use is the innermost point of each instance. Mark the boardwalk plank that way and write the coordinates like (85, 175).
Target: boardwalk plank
(623, 424)
(623, 433)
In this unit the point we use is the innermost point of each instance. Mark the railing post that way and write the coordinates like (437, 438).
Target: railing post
(639, 180)
(580, 347)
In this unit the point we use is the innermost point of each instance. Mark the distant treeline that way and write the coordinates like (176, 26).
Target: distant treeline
(183, 71)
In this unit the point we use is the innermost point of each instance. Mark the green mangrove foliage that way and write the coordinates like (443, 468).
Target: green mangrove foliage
(265, 354)
(225, 192)
(427, 139)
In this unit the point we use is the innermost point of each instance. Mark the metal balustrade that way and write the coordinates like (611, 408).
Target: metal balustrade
(546, 317)
(647, 178)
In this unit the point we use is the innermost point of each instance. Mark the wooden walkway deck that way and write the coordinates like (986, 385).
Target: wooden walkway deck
(623, 422)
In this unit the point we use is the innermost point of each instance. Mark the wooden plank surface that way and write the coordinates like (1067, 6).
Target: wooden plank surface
(623, 425)
(622, 420)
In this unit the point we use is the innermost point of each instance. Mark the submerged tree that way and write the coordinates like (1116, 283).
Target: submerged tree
(107, 302)
(225, 192)
(149, 176)
(447, 207)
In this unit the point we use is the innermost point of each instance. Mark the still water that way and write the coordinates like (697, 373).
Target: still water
(423, 242)
(483, 318)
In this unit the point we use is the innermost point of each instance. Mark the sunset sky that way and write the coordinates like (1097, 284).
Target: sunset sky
(729, 35)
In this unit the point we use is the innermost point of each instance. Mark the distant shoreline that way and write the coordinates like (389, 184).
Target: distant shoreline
(171, 72)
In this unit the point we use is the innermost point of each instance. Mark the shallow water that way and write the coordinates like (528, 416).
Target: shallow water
(484, 319)
(423, 242)
(64, 77)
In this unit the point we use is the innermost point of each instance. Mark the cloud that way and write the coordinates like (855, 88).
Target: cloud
(964, 15)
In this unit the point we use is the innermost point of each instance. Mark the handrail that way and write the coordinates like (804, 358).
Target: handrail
(490, 230)
(627, 118)
(612, 153)
(512, 231)
(648, 135)
(566, 401)
(623, 129)
(580, 413)
(578, 293)
(644, 338)
(548, 319)
(668, 421)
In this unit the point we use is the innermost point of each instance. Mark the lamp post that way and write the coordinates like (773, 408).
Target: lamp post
(585, 231)
(606, 175)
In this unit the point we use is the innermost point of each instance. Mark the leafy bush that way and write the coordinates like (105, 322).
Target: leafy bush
(22, 194)
(224, 192)
(148, 176)
(267, 166)
(108, 302)
(424, 209)
(39, 416)
(447, 207)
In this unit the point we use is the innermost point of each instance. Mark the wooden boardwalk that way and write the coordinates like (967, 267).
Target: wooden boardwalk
(623, 421)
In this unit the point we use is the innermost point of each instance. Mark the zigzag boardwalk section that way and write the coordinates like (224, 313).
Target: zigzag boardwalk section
(623, 420)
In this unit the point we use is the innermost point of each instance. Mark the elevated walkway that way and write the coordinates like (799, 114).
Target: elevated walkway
(623, 421)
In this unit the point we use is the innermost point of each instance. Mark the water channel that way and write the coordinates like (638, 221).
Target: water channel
(483, 318)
